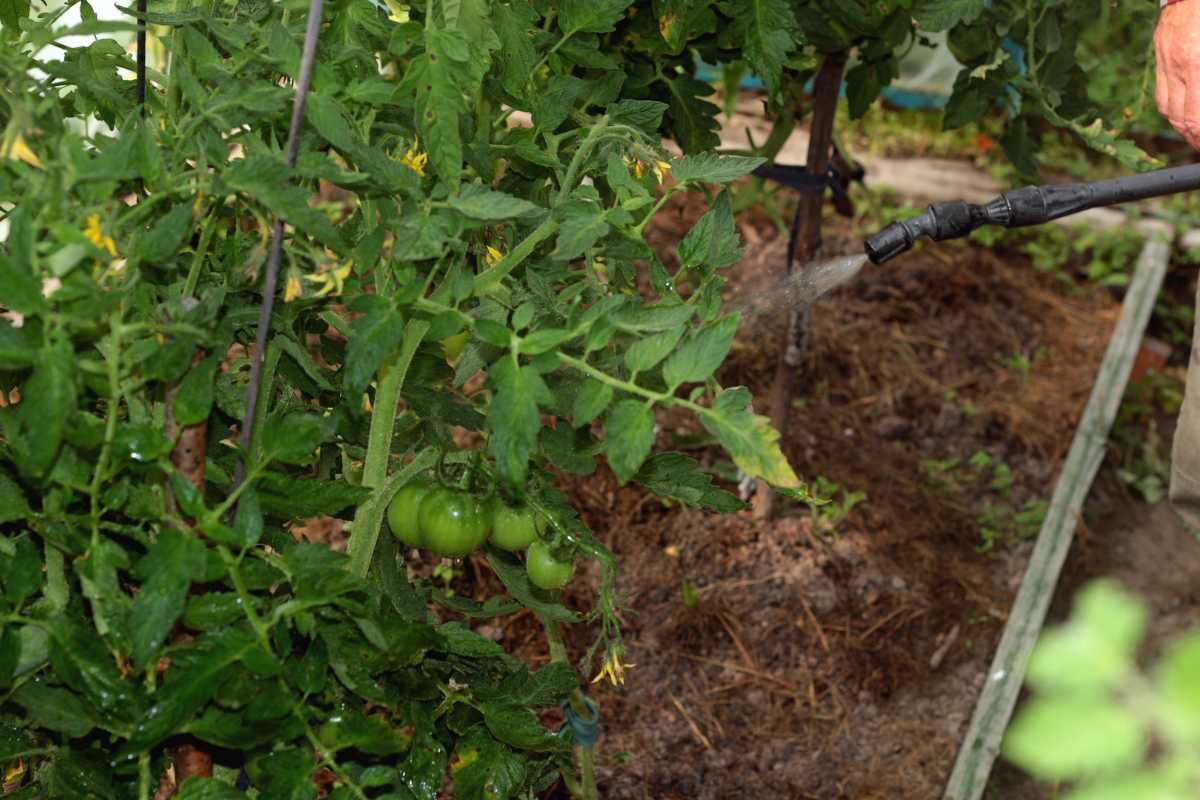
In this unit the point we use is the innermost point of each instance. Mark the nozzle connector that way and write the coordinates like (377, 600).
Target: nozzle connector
(940, 222)
(888, 243)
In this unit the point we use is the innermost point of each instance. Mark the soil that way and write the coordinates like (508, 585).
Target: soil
(840, 655)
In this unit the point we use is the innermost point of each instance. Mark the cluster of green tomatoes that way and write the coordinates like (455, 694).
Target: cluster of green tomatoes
(455, 523)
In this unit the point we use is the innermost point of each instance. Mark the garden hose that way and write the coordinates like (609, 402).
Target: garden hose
(1031, 205)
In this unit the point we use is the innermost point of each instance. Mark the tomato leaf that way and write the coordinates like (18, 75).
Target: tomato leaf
(197, 670)
(591, 16)
(266, 179)
(481, 203)
(678, 477)
(165, 236)
(511, 573)
(300, 498)
(484, 768)
(17, 351)
(748, 438)
(13, 505)
(294, 438)
(513, 418)
(767, 30)
(692, 120)
(583, 225)
(628, 437)
(169, 567)
(375, 337)
(942, 15)
(57, 709)
(646, 353)
(194, 400)
(701, 354)
(19, 289)
(713, 241)
(47, 403)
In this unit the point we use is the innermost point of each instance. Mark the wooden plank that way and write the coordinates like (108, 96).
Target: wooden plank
(999, 696)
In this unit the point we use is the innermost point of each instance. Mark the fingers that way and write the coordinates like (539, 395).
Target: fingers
(1162, 92)
(1177, 69)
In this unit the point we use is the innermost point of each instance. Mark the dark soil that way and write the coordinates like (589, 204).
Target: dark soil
(841, 658)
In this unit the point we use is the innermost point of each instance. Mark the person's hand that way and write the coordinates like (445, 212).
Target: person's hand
(1177, 43)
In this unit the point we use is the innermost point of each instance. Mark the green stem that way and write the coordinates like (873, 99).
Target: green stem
(57, 592)
(781, 131)
(617, 383)
(144, 776)
(585, 789)
(206, 234)
(580, 158)
(379, 446)
(112, 360)
(542, 62)
(265, 387)
(662, 201)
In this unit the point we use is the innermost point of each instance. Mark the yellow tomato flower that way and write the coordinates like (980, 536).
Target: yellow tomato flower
(613, 668)
(414, 159)
(20, 151)
(661, 168)
(493, 256)
(638, 168)
(292, 288)
(398, 11)
(98, 237)
(331, 281)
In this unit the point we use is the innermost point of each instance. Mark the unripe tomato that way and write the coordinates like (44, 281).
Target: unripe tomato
(545, 571)
(402, 512)
(453, 523)
(453, 346)
(514, 528)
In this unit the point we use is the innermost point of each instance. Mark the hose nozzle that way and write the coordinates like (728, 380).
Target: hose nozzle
(942, 221)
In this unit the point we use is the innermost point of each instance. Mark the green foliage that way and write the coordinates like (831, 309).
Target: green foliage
(1099, 721)
(142, 599)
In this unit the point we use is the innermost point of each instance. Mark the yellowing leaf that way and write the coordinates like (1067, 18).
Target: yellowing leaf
(748, 438)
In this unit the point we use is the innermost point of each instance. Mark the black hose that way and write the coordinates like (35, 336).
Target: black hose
(1031, 205)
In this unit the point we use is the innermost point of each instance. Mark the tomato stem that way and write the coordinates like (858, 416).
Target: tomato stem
(379, 445)
(585, 788)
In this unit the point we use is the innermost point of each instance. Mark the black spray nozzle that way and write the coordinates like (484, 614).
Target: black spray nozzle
(941, 221)
(1032, 205)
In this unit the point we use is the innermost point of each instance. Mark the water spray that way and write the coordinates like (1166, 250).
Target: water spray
(1031, 205)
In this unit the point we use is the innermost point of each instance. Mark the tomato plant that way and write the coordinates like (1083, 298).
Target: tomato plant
(228, 307)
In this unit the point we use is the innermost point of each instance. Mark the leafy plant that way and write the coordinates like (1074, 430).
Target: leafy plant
(169, 429)
(830, 510)
(1100, 722)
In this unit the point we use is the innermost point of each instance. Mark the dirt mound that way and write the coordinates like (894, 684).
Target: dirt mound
(841, 656)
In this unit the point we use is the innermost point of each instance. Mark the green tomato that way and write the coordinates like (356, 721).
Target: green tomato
(545, 571)
(453, 346)
(453, 523)
(402, 512)
(514, 529)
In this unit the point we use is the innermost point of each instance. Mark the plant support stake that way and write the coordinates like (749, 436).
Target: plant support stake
(307, 58)
(1007, 672)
